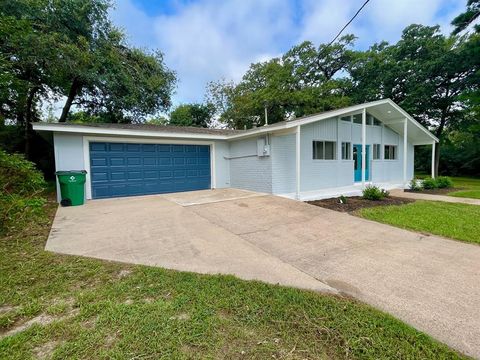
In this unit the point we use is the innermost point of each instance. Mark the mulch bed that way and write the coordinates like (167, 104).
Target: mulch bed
(355, 203)
(435, 191)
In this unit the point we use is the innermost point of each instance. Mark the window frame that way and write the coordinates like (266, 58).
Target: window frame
(389, 152)
(314, 152)
(348, 147)
(377, 147)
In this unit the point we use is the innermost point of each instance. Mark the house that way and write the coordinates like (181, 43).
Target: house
(327, 154)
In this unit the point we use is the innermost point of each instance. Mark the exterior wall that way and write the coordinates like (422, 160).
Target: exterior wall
(321, 174)
(69, 155)
(248, 170)
(283, 164)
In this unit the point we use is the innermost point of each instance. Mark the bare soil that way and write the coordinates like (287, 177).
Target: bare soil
(355, 203)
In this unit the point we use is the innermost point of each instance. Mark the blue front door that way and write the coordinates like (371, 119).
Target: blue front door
(357, 162)
(125, 169)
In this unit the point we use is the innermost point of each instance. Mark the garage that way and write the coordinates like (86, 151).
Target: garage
(127, 169)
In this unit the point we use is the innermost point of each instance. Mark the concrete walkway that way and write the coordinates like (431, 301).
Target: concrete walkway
(431, 197)
(427, 281)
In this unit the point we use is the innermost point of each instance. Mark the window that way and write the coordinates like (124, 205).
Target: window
(324, 150)
(390, 152)
(377, 122)
(376, 152)
(346, 151)
(346, 118)
(369, 120)
(357, 119)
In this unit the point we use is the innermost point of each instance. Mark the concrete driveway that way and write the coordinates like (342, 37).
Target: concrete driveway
(429, 282)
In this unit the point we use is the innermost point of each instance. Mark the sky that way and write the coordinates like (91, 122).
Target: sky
(206, 40)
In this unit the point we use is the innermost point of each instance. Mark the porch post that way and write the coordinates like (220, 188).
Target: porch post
(364, 146)
(433, 159)
(405, 153)
(297, 162)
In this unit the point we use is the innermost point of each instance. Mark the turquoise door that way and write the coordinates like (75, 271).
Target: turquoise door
(357, 163)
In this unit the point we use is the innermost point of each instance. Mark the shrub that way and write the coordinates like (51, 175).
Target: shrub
(21, 186)
(414, 186)
(342, 199)
(372, 192)
(444, 182)
(429, 183)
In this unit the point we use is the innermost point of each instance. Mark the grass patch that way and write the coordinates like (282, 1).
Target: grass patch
(470, 187)
(85, 308)
(456, 221)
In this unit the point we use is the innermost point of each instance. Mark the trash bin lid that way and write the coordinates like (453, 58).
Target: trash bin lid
(69, 172)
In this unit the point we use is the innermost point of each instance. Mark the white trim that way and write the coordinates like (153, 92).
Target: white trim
(405, 144)
(364, 145)
(88, 139)
(433, 160)
(123, 132)
(297, 161)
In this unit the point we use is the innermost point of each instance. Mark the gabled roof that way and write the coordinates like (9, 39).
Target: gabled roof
(385, 110)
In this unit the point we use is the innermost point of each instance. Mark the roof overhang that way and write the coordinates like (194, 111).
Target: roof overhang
(385, 110)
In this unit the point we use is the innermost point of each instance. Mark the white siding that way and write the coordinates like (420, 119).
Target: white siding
(283, 164)
(247, 170)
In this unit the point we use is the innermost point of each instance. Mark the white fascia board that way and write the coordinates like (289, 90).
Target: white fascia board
(124, 132)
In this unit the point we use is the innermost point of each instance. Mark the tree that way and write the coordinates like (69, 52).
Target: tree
(198, 115)
(426, 73)
(301, 82)
(50, 50)
(462, 21)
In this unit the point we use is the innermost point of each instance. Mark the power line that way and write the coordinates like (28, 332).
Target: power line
(348, 23)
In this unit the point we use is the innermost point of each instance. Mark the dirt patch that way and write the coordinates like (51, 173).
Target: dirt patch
(355, 203)
(7, 308)
(182, 316)
(46, 350)
(41, 319)
(124, 273)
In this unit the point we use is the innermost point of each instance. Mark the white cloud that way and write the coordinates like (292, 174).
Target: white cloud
(210, 39)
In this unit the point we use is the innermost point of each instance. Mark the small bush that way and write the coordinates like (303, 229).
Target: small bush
(21, 186)
(414, 186)
(372, 192)
(429, 183)
(444, 182)
(342, 199)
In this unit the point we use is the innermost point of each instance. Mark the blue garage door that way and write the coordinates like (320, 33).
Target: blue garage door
(125, 169)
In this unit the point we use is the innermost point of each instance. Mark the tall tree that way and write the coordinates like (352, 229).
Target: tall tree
(462, 21)
(426, 72)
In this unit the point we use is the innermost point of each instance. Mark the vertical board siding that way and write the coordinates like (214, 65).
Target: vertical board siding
(283, 164)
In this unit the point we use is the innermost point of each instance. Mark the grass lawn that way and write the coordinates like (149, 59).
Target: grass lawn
(456, 221)
(85, 308)
(470, 186)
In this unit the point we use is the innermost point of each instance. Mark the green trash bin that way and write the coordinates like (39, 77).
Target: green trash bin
(72, 187)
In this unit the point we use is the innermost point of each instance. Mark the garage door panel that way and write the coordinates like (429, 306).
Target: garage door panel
(123, 169)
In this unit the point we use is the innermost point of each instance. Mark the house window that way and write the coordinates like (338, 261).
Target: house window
(324, 150)
(377, 122)
(376, 152)
(390, 152)
(369, 120)
(346, 118)
(357, 119)
(346, 151)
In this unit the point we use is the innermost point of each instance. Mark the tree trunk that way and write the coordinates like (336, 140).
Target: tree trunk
(74, 88)
(28, 120)
(437, 159)
(439, 134)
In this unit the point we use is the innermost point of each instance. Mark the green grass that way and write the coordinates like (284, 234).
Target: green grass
(456, 221)
(470, 186)
(109, 310)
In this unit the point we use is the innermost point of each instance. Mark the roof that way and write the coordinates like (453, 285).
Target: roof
(385, 110)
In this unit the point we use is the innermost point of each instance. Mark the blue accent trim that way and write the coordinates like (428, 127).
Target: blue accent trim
(126, 169)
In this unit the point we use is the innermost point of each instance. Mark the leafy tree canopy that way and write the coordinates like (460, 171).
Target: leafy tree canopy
(198, 115)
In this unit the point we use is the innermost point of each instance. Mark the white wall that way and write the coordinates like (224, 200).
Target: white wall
(248, 170)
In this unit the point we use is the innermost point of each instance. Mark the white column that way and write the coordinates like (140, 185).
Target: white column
(297, 162)
(364, 146)
(405, 145)
(433, 159)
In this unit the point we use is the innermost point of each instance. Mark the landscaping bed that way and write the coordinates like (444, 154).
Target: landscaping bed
(355, 203)
(443, 191)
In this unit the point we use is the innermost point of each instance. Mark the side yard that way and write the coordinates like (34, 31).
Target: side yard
(70, 307)
(470, 187)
